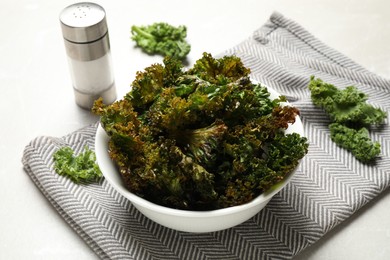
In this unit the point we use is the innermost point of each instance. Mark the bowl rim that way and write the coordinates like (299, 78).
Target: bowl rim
(108, 168)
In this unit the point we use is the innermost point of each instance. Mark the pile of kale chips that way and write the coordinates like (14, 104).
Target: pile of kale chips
(203, 138)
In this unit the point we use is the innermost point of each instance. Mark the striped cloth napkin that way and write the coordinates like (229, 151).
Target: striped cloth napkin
(329, 186)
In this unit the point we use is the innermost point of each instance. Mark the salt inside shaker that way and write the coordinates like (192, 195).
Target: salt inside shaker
(85, 32)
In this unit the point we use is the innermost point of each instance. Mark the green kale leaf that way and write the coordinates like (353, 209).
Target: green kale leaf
(346, 106)
(78, 168)
(162, 38)
(351, 117)
(357, 141)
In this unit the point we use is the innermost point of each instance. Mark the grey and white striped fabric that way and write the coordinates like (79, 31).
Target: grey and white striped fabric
(329, 186)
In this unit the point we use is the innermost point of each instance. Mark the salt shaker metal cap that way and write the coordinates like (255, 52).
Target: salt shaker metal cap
(85, 32)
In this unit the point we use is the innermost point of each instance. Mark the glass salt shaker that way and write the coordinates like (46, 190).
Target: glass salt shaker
(85, 32)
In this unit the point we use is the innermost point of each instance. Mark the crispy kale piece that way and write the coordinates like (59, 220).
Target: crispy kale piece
(351, 117)
(162, 38)
(223, 70)
(147, 86)
(149, 83)
(202, 143)
(259, 155)
(78, 168)
(203, 138)
(256, 169)
(357, 141)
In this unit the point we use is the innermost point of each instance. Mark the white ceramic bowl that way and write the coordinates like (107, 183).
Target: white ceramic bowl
(184, 220)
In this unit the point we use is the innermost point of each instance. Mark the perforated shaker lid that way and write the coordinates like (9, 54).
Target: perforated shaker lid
(83, 22)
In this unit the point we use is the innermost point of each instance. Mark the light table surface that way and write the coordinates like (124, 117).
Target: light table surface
(37, 99)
